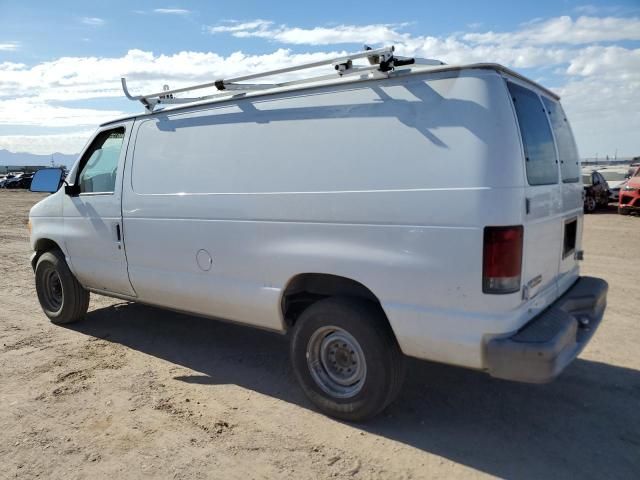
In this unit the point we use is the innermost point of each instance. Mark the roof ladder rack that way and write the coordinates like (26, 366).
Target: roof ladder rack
(381, 60)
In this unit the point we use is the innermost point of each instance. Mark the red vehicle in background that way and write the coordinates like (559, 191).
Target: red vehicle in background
(630, 195)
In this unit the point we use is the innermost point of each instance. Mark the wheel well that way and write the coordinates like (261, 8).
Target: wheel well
(307, 288)
(43, 245)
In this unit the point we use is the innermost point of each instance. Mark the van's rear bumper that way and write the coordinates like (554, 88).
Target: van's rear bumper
(542, 349)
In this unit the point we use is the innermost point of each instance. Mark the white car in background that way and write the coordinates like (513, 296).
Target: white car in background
(4, 179)
(617, 179)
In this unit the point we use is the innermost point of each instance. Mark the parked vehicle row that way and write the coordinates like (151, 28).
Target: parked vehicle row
(606, 185)
(16, 180)
(596, 191)
(20, 179)
(616, 178)
(630, 195)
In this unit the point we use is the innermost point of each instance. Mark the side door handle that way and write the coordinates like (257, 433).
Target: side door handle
(118, 236)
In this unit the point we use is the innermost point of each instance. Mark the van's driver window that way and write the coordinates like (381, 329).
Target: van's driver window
(100, 162)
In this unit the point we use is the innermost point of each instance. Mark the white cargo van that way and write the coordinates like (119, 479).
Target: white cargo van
(430, 211)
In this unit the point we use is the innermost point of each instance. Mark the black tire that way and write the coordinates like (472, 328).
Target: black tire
(365, 323)
(590, 205)
(61, 296)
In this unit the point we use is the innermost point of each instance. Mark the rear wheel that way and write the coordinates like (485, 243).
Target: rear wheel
(346, 358)
(61, 296)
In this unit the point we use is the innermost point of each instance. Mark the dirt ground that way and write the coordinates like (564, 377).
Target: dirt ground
(137, 392)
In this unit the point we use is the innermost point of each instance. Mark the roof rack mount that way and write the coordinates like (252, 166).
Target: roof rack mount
(381, 61)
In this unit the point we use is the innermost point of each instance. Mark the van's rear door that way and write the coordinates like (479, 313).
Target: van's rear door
(570, 193)
(543, 203)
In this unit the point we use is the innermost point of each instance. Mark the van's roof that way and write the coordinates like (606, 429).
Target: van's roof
(414, 70)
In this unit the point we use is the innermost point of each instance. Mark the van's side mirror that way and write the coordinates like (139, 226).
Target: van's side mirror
(46, 180)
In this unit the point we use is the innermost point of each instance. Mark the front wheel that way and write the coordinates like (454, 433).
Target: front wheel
(61, 296)
(590, 205)
(346, 358)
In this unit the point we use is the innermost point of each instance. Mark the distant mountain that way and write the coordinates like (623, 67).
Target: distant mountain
(11, 158)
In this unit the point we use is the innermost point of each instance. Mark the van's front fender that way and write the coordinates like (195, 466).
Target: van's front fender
(47, 225)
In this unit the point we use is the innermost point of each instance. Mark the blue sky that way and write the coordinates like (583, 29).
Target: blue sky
(60, 62)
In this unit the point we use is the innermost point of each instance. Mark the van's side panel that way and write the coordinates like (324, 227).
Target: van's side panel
(373, 181)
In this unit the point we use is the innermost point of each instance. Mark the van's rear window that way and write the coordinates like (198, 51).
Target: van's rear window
(539, 150)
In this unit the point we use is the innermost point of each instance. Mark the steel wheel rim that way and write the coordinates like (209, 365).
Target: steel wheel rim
(52, 294)
(591, 204)
(336, 362)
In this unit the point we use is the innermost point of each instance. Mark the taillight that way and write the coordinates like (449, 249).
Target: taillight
(502, 259)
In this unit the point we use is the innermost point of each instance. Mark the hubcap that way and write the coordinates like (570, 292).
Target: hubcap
(336, 362)
(52, 290)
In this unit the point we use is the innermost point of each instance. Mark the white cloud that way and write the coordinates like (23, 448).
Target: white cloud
(172, 11)
(600, 84)
(610, 63)
(603, 9)
(232, 26)
(9, 46)
(603, 114)
(559, 30)
(311, 36)
(94, 21)
(33, 112)
(453, 50)
(67, 143)
(74, 78)
(565, 30)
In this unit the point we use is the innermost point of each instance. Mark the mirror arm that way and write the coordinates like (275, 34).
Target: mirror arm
(71, 190)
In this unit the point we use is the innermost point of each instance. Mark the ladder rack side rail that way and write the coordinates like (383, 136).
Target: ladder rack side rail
(237, 90)
(267, 86)
(320, 63)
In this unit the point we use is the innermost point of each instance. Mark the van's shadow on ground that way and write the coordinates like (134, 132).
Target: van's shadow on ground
(586, 424)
